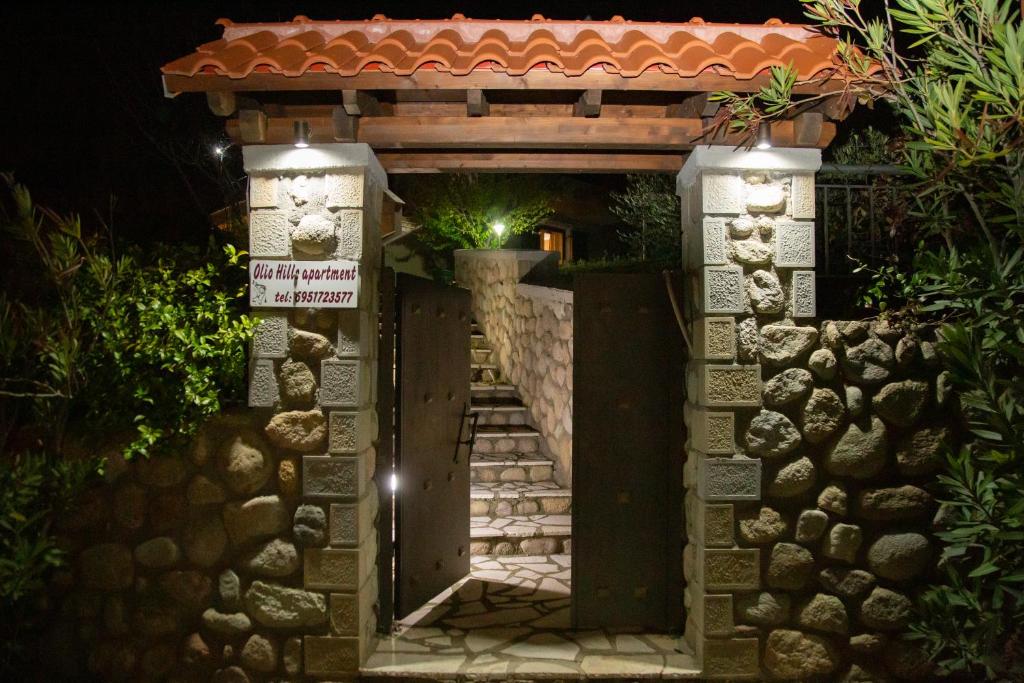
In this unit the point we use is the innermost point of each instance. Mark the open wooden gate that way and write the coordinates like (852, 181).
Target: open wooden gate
(628, 454)
(432, 460)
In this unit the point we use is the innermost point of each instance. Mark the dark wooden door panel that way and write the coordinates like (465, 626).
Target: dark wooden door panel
(386, 450)
(627, 454)
(433, 468)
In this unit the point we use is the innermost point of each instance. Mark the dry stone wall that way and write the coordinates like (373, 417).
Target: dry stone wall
(530, 328)
(853, 418)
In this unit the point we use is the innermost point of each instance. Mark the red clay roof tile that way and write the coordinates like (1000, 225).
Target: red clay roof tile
(461, 45)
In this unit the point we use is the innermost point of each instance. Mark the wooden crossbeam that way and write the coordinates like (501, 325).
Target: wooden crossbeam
(588, 105)
(807, 128)
(525, 132)
(535, 162)
(476, 103)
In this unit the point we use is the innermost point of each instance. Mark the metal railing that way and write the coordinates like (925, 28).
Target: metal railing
(857, 213)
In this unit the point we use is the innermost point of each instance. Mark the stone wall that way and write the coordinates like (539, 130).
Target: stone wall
(252, 558)
(530, 328)
(189, 567)
(849, 433)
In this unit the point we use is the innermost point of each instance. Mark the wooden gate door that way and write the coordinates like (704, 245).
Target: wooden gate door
(385, 464)
(433, 462)
(627, 532)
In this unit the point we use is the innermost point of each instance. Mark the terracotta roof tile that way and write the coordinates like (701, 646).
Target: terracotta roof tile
(461, 45)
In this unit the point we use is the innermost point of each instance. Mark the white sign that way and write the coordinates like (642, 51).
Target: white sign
(316, 284)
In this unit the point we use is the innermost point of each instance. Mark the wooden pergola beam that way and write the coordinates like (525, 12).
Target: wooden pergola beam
(525, 132)
(534, 162)
(484, 79)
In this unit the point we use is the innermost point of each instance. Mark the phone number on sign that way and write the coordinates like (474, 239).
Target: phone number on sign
(322, 297)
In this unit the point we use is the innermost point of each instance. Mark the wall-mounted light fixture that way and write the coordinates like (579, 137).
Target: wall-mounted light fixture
(764, 136)
(301, 134)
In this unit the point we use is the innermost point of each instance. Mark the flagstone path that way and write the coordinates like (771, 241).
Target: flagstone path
(510, 618)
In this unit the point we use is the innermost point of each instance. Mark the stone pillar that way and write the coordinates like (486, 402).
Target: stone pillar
(313, 378)
(748, 248)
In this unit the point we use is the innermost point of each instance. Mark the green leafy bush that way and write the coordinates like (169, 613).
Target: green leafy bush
(34, 487)
(137, 346)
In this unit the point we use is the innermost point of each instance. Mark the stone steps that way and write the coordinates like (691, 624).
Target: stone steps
(509, 467)
(521, 535)
(517, 507)
(501, 499)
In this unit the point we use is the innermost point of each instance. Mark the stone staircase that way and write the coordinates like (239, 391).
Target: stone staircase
(516, 507)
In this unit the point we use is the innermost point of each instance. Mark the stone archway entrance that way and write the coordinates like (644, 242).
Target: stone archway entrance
(514, 96)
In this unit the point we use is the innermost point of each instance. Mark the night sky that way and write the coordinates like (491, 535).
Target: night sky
(87, 127)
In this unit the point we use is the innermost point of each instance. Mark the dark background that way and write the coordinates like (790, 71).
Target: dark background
(87, 129)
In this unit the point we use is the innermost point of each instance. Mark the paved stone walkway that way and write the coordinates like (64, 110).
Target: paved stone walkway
(510, 617)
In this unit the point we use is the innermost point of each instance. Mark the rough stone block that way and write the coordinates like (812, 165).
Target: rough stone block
(794, 244)
(801, 196)
(344, 191)
(269, 234)
(729, 658)
(716, 615)
(722, 193)
(270, 338)
(349, 432)
(803, 294)
(350, 234)
(731, 569)
(352, 522)
(354, 334)
(715, 338)
(263, 389)
(330, 656)
(263, 192)
(340, 383)
(336, 569)
(326, 476)
(723, 289)
(727, 386)
(728, 479)
(712, 432)
(716, 524)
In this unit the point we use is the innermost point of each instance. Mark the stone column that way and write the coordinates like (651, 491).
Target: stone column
(313, 378)
(748, 248)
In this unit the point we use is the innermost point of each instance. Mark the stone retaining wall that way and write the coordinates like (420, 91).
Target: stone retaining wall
(530, 328)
